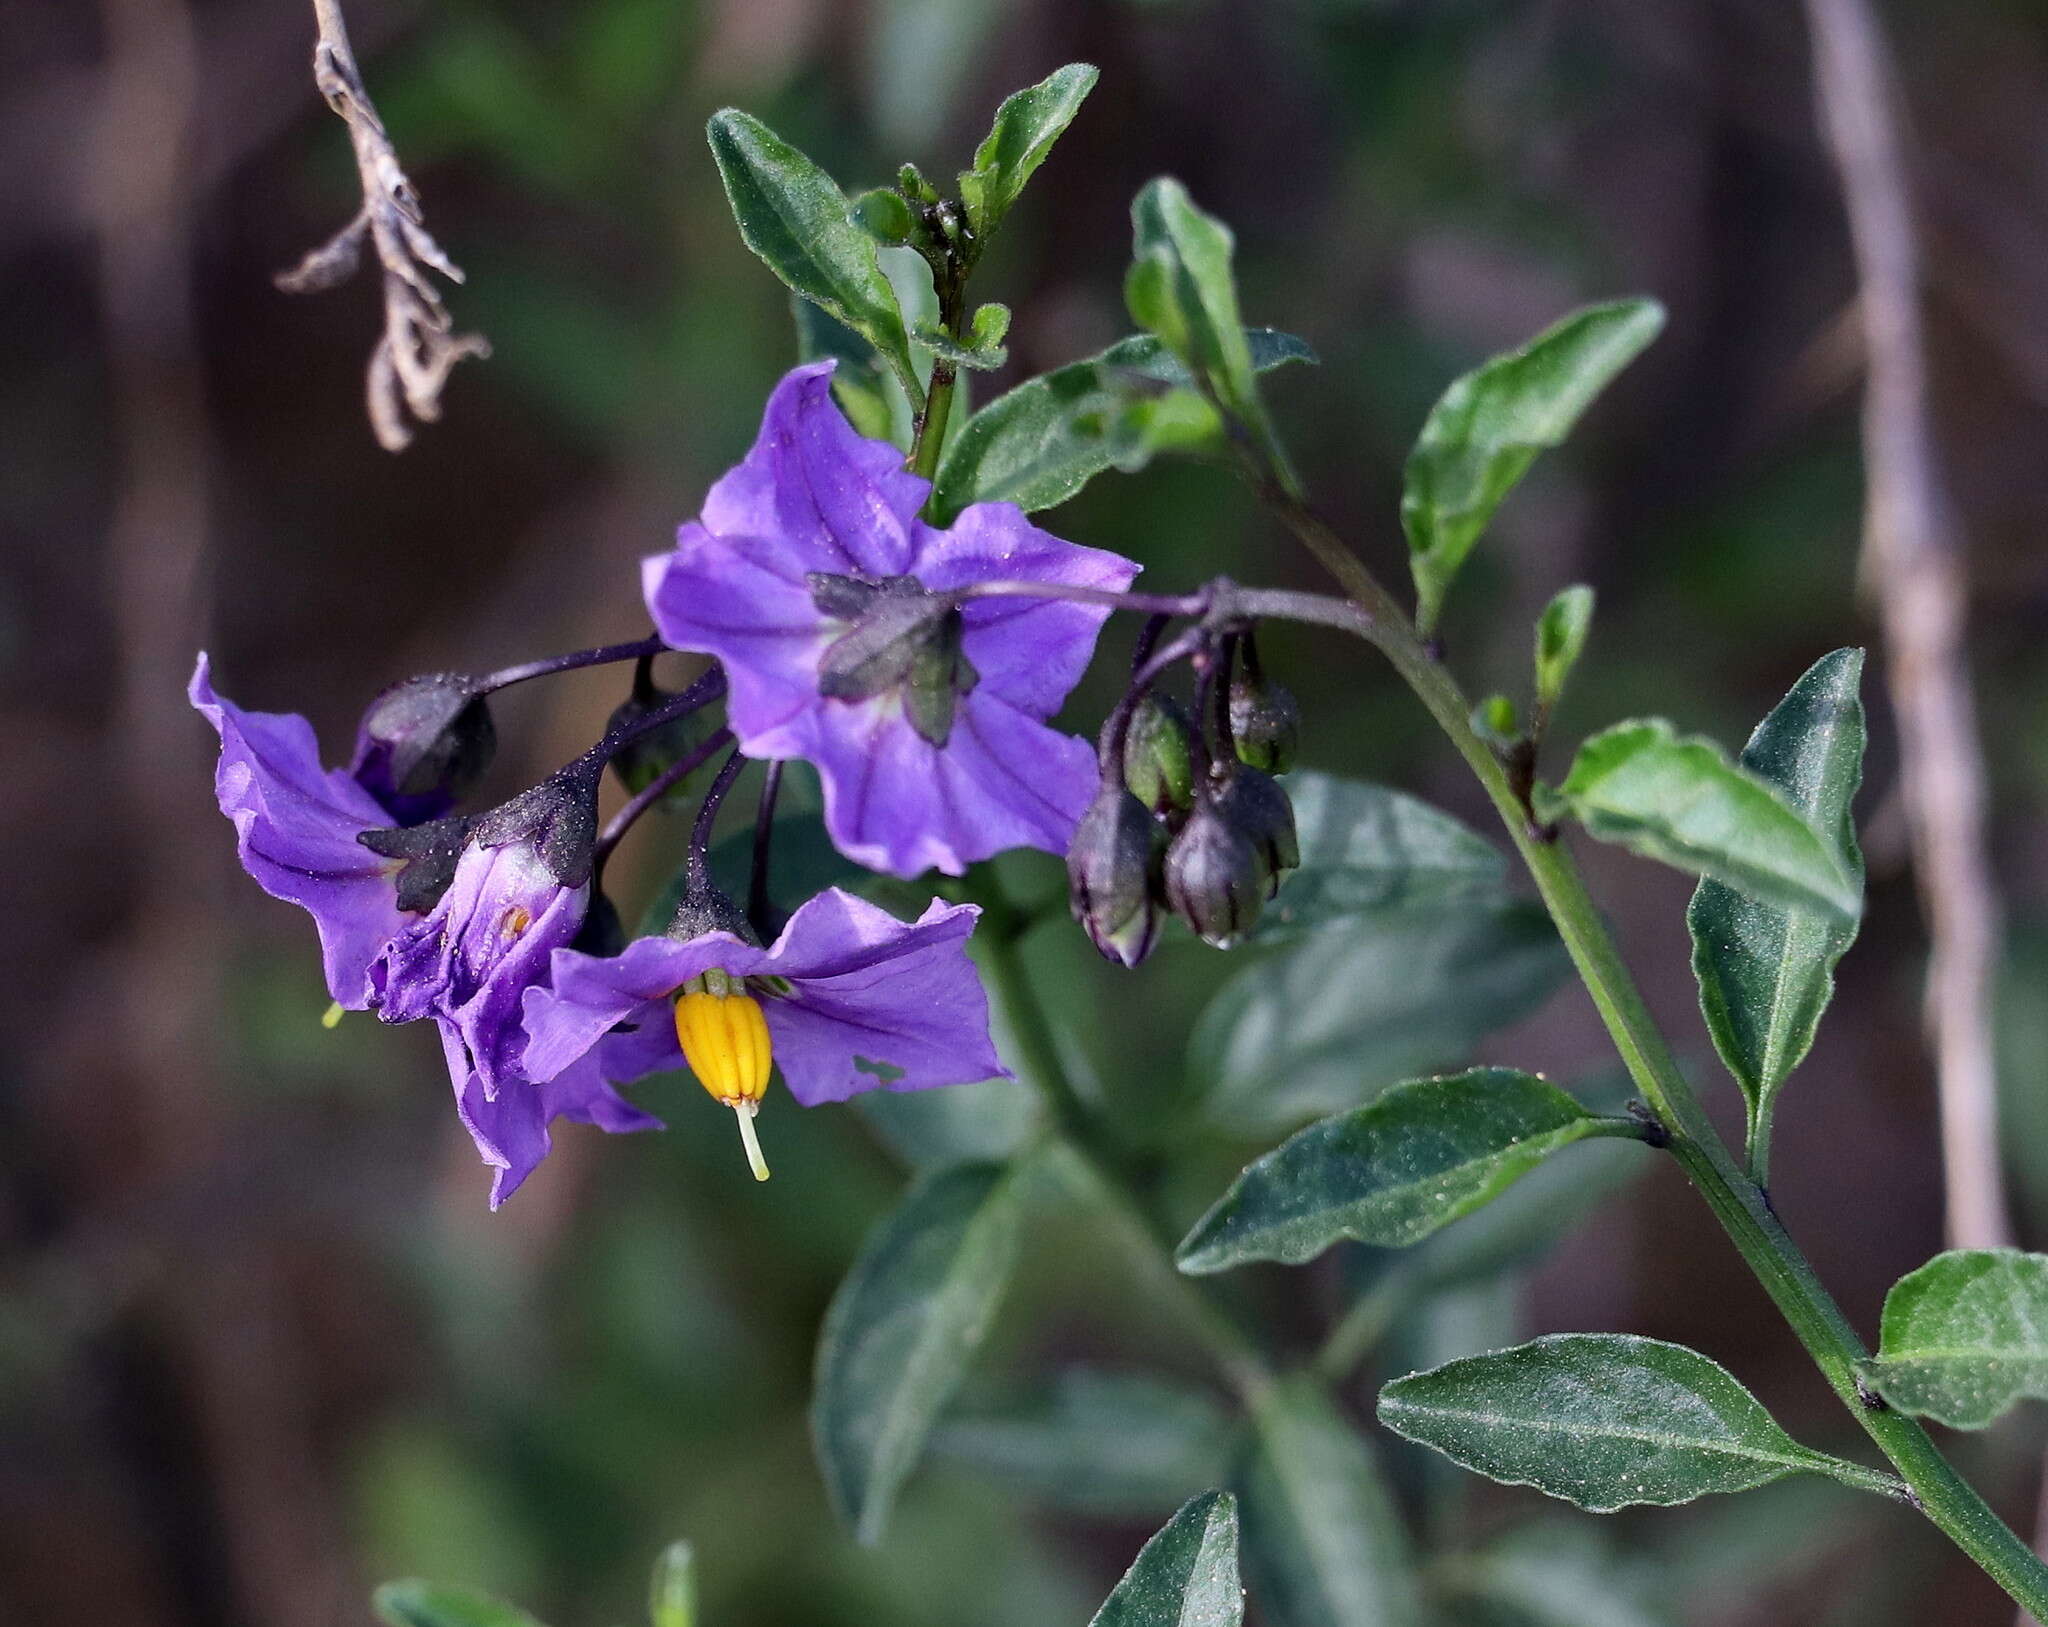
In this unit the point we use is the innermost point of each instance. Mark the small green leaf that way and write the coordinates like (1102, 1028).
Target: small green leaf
(1481, 437)
(1560, 641)
(672, 1593)
(978, 351)
(1330, 1018)
(1025, 127)
(1042, 442)
(990, 325)
(1108, 1444)
(1186, 1576)
(426, 1604)
(1391, 1173)
(1602, 1420)
(1182, 288)
(1324, 1545)
(793, 215)
(1366, 849)
(1965, 1337)
(1679, 799)
(885, 215)
(902, 1330)
(1767, 973)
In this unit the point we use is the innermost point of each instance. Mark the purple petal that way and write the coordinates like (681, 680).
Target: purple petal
(1029, 652)
(896, 1006)
(817, 495)
(896, 803)
(471, 960)
(296, 826)
(722, 596)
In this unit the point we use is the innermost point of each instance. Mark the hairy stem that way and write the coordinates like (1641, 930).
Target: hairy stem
(1737, 1201)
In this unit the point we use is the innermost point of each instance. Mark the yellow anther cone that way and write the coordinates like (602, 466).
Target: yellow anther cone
(725, 1041)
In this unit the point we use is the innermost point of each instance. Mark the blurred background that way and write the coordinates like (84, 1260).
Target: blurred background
(261, 1343)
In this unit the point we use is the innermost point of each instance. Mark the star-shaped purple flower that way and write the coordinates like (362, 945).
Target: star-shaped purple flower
(296, 825)
(810, 575)
(853, 999)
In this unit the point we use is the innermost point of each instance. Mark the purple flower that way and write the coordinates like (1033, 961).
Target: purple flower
(810, 575)
(510, 1129)
(468, 961)
(296, 825)
(848, 999)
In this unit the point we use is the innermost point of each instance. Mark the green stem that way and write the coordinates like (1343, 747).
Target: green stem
(1737, 1201)
(1145, 1237)
(951, 286)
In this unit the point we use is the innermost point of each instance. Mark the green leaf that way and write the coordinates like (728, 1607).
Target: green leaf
(1107, 1444)
(1679, 799)
(672, 1592)
(1042, 442)
(903, 1328)
(1186, 1576)
(1365, 849)
(885, 216)
(1332, 1017)
(1389, 1174)
(1025, 128)
(426, 1604)
(1323, 1543)
(1487, 428)
(1767, 973)
(793, 215)
(1560, 641)
(1965, 1337)
(1183, 289)
(1602, 1420)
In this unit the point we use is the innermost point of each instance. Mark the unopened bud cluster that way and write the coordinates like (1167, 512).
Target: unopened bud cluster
(1179, 825)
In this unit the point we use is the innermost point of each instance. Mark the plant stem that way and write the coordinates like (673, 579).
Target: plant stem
(950, 282)
(1145, 1237)
(1739, 1203)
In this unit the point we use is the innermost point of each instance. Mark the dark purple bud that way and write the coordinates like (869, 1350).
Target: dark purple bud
(1159, 765)
(1265, 723)
(1113, 875)
(422, 744)
(1256, 807)
(1215, 880)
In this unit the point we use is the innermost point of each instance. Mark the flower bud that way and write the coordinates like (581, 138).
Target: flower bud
(422, 744)
(1265, 723)
(1159, 756)
(1254, 805)
(641, 760)
(1214, 878)
(1112, 868)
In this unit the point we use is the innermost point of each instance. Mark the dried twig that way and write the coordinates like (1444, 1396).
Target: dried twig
(1913, 567)
(418, 347)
